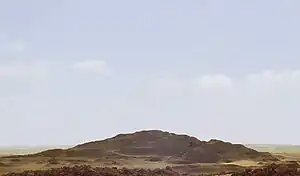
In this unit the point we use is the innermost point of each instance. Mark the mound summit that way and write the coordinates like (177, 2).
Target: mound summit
(164, 145)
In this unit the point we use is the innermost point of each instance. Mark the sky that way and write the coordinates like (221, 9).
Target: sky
(73, 71)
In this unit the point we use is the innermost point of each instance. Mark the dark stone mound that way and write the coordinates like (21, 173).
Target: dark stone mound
(179, 148)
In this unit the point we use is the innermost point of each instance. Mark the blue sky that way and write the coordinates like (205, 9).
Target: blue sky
(74, 71)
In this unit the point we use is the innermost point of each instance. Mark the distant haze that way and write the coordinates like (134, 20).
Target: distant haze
(73, 71)
(23, 150)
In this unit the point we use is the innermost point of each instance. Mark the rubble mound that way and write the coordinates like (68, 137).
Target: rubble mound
(286, 169)
(177, 148)
(290, 169)
(85, 170)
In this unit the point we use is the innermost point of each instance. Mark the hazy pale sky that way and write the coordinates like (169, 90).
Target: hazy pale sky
(74, 71)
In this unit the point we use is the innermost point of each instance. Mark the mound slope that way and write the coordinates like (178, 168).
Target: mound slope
(163, 144)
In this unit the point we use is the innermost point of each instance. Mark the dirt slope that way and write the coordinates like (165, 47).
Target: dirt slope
(163, 144)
